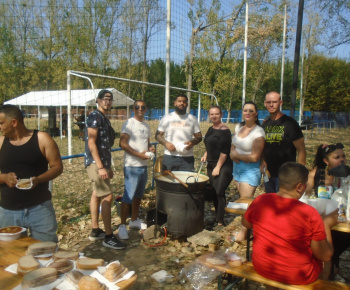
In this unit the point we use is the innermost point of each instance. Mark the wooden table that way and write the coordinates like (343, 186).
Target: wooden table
(239, 211)
(11, 251)
(342, 227)
(242, 212)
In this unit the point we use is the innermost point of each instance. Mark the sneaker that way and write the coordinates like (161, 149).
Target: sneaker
(123, 232)
(113, 243)
(136, 224)
(97, 236)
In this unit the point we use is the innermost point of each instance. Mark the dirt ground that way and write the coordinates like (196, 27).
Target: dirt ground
(174, 253)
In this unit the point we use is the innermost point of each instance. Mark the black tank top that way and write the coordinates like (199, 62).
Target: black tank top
(26, 161)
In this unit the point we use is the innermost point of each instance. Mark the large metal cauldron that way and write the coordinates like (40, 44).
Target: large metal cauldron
(183, 206)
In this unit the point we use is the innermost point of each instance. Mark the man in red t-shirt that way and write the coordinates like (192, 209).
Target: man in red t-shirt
(290, 238)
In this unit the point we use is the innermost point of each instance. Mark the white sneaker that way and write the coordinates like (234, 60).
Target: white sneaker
(123, 232)
(136, 224)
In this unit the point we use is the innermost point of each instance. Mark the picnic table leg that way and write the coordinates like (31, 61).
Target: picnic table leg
(248, 243)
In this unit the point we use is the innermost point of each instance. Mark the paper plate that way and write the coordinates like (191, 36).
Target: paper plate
(24, 183)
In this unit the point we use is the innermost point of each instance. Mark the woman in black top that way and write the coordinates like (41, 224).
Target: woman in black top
(217, 144)
(329, 157)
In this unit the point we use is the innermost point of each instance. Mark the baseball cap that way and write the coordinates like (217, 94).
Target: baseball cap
(102, 93)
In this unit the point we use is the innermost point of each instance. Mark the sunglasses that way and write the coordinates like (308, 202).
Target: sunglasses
(330, 148)
(137, 107)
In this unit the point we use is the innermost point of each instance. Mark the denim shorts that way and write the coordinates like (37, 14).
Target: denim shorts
(247, 172)
(135, 182)
(40, 220)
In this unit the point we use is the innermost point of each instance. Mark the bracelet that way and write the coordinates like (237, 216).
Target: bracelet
(101, 168)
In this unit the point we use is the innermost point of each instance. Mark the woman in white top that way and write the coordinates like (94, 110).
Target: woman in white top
(247, 147)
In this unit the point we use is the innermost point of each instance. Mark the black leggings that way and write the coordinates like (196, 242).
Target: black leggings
(220, 184)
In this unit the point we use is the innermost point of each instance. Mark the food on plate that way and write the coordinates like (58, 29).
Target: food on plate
(26, 264)
(41, 248)
(62, 266)
(115, 271)
(65, 255)
(74, 277)
(39, 277)
(10, 230)
(91, 283)
(89, 263)
(24, 183)
(216, 261)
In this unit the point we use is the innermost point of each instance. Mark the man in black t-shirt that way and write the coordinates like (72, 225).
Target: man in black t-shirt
(283, 141)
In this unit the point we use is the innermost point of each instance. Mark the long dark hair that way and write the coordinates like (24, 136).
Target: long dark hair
(256, 109)
(323, 151)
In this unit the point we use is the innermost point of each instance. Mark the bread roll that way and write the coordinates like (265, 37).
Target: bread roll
(65, 255)
(113, 271)
(90, 283)
(74, 277)
(41, 248)
(26, 264)
(89, 263)
(39, 277)
(61, 265)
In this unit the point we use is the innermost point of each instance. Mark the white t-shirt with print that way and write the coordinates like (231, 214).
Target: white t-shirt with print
(179, 128)
(244, 145)
(139, 133)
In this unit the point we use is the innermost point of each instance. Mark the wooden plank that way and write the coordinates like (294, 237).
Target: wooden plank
(247, 271)
(342, 227)
(127, 284)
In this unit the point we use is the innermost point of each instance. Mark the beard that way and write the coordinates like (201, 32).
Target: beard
(180, 111)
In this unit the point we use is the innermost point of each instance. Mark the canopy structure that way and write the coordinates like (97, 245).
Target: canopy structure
(60, 98)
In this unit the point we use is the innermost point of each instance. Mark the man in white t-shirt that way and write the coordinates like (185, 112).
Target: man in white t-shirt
(179, 132)
(135, 141)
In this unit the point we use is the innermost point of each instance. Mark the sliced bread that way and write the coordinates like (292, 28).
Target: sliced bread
(26, 264)
(65, 255)
(89, 263)
(41, 248)
(39, 277)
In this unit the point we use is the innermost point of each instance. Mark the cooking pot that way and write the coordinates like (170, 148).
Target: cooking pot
(196, 183)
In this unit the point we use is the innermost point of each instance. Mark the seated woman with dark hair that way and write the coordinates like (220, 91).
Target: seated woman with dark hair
(328, 157)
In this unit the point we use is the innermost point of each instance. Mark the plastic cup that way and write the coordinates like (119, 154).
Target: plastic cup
(321, 205)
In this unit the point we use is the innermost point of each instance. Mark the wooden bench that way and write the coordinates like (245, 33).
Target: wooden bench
(247, 271)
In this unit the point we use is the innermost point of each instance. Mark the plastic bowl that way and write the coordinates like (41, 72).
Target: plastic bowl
(11, 233)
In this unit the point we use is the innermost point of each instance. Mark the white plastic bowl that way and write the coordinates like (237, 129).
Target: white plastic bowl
(11, 236)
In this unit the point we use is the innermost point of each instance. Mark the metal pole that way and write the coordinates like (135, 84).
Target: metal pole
(296, 57)
(167, 65)
(301, 83)
(245, 52)
(69, 121)
(283, 49)
(199, 108)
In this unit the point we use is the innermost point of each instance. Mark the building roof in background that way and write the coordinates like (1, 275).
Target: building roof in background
(60, 98)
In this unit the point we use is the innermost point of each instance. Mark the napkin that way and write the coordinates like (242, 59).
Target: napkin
(180, 147)
(237, 205)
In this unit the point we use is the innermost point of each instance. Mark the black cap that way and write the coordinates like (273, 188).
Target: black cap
(102, 93)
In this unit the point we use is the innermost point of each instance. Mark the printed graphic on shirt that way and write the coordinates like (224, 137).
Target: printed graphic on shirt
(274, 134)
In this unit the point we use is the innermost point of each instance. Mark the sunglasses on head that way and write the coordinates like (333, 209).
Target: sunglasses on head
(330, 148)
(137, 107)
